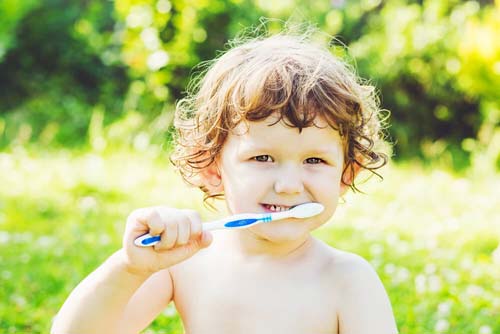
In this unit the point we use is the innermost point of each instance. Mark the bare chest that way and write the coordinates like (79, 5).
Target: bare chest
(254, 300)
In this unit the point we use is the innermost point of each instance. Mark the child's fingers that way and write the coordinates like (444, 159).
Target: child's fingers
(154, 222)
(181, 228)
(181, 237)
(144, 220)
(169, 236)
(176, 228)
(136, 220)
(183, 232)
(195, 224)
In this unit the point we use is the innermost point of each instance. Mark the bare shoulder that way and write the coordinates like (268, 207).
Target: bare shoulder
(348, 266)
(363, 303)
(344, 265)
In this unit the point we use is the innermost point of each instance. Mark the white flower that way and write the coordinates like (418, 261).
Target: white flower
(474, 290)
(430, 268)
(402, 275)
(45, 241)
(420, 283)
(87, 203)
(485, 329)
(434, 283)
(376, 249)
(4, 237)
(19, 300)
(442, 326)
(6, 275)
(390, 268)
(444, 309)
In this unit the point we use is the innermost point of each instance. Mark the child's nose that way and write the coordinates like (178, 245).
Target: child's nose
(289, 180)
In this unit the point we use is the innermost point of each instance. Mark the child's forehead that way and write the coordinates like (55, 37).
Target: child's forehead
(276, 121)
(274, 133)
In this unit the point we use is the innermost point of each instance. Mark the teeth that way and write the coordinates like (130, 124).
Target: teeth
(277, 208)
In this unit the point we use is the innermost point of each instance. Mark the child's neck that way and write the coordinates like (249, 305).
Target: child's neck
(247, 245)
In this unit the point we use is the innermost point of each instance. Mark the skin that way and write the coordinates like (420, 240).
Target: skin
(269, 278)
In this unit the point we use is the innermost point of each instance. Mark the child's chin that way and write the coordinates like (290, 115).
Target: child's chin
(281, 233)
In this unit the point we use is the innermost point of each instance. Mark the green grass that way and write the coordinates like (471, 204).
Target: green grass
(433, 237)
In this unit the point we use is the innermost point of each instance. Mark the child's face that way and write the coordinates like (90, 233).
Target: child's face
(278, 166)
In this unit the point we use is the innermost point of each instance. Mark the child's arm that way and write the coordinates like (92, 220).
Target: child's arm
(110, 299)
(145, 305)
(365, 306)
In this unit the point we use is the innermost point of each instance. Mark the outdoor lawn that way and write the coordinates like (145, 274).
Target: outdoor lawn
(432, 236)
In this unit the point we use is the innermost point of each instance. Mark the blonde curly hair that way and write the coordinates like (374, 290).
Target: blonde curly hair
(286, 75)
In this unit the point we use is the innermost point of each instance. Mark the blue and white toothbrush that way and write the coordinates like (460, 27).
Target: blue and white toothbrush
(245, 220)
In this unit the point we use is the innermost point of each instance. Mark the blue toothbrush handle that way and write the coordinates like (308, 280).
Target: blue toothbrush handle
(240, 223)
(147, 240)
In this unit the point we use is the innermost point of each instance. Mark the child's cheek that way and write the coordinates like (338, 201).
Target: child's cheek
(238, 194)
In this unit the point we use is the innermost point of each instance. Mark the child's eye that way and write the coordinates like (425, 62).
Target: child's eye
(314, 160)
(263, 158)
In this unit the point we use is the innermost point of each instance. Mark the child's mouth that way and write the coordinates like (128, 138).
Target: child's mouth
(275, 208)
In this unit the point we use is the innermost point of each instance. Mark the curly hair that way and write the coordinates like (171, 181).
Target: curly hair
(285, 75)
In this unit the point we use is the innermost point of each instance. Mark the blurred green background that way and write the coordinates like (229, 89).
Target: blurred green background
(87, 91)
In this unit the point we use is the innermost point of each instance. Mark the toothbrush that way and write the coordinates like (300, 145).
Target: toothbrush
(245, 220)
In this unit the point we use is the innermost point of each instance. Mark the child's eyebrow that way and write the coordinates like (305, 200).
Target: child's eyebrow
(250, 147)
(323, 151)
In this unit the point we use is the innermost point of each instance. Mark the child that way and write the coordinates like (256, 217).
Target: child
(274, 123)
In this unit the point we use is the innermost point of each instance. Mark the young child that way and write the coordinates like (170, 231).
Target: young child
(275, 122)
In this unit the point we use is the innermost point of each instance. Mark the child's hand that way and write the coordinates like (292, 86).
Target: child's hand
(181, 237)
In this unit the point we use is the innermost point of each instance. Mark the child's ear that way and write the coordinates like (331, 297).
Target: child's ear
(350, 173)
(211, 178)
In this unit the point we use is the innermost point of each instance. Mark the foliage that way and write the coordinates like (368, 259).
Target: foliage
(52, 75)
(432, 236)
(411, 52)
(132, 57)
(11, 12)
(435, 62)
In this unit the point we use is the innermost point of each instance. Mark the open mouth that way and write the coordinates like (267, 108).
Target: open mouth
(276, 208)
